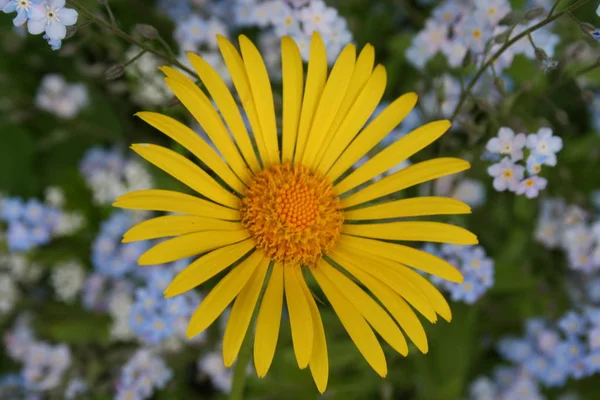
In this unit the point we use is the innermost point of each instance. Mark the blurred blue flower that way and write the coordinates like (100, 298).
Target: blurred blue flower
(11, 209)
(515, 350)
(571, 323)
(142, 374)
(112, 258)
(592, 362)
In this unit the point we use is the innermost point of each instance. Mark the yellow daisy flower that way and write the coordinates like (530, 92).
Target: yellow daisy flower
(292, 204)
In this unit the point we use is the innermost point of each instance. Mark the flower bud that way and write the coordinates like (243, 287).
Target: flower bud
(147, 31)
(534, 13)
(540, 54)
(114, 72)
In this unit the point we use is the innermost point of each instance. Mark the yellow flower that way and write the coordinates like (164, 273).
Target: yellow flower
(286, 203)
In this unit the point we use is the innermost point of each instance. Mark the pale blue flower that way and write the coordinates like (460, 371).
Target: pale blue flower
(18, 237)
(592, 362)
(543, 143)
(572, 323)
(535, 162)
(11, 209)
(475, 33)
(51, 17)
(54, 44)
(23, 9)
(506, 174)
(531, 186)
(515, 350)
(469, 291)
(556, 375)
(537, 366)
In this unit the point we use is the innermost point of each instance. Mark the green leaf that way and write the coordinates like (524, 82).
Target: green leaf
(17, 150)
(444, 371)
(71, 324)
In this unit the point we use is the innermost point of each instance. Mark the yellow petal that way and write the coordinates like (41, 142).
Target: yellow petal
(436, 299)
(410, 176)
(319, 362)
(397, 307)
(420, 231)
(186, 172)
(169, 201)
(222, 294)
(412, 207)
(315, 82)
(383, 124)
(268, 321)
(360, 77)
(206, 267)
(360, 332)
(194, 99)
(293, 82)
(359, 114)
(241, 314)
(175, 225)
(381, 270)
(377, 317)
(331, 99)
(260, 86)
(237, 70)
(228, 108)
(190, 245)
(300, 317)
(394, 154)
(195, 144)
(417, 259)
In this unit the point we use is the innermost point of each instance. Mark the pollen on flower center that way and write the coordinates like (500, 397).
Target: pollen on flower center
(292, 213)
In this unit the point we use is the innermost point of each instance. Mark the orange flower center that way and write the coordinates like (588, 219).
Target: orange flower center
(292, 213)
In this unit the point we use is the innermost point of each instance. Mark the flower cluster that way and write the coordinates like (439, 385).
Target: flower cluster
(211, 365)
(154, 318)
(551, 353)
(49, 17)
(67, 280)
(15, 271)
(475, 266)
(43, 364)
(572, 230)
(60, 98)
(109, 174)
(32, 223)
(506, 384)
(142, 375)
(456, 28)
(110, 257)
(508, 174)
(298, 19)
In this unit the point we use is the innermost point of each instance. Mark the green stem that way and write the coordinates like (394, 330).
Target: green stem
(111, 16)
(166, 57)
(134, 59)
(465, 94)
(239, 371)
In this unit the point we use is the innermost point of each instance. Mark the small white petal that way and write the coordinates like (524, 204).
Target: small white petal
(36, 27)
(67, 16)
(56, 3)
(56, 31)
